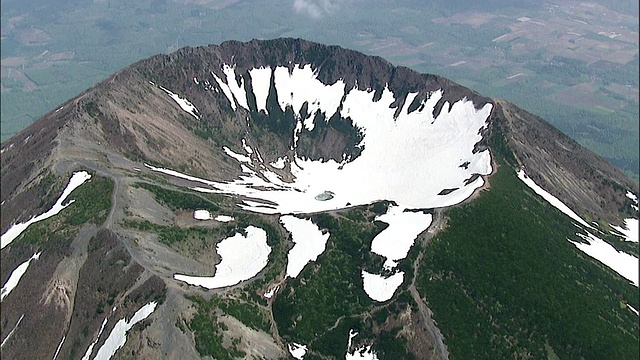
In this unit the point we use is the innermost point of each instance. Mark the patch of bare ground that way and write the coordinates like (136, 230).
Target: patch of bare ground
(142, 205)
(63, 284)
(42, 320)
(104, 277)
(256, 344)
(158, 337)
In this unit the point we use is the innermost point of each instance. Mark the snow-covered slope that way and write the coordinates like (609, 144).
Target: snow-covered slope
(411, 157)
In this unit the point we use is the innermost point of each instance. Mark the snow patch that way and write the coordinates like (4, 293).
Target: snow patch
(260, 83)
(184, 104)
(280, 163)
(363, 353)
(202, 215)
(624, 264)
(629, 230)
(225, 90)
(11, 332)
(269, 294)
(380, 288)
(297, 350)
(634, 198)
(237, 89)
(242, 257)
(395, 241)
(180, 175)
(118, 335)
(239, 157)
(55, 355)
(302, 86)
(224, 218)
(15, 276)
(15, 230)
(555, 202)
(309, 243)
(87, 354)
(246, 147)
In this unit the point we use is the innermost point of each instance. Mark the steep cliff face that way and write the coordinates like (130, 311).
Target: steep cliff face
(190, 166)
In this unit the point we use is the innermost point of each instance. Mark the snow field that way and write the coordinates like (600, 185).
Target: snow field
(408, 159)
(395, 241)
(424, 159)
(380, 288)
(242, 257)
(309, 243)
(15, 230)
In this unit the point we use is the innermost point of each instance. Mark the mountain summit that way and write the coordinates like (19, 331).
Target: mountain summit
(285, 198)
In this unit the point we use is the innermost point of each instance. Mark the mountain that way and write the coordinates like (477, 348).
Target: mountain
(286, 198)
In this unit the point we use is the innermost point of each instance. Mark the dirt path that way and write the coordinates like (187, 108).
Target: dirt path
(441, 349)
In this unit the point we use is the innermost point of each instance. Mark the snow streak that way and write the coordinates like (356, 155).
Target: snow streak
(15, 230)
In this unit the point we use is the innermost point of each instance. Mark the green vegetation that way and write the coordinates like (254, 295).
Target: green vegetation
(247, 313)
(208, 332)
(277, 257)
(503, 282)
(91, 204)
(179, 199)
(170, 235)
(392, 346)
(312, 305)
(333, 342)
